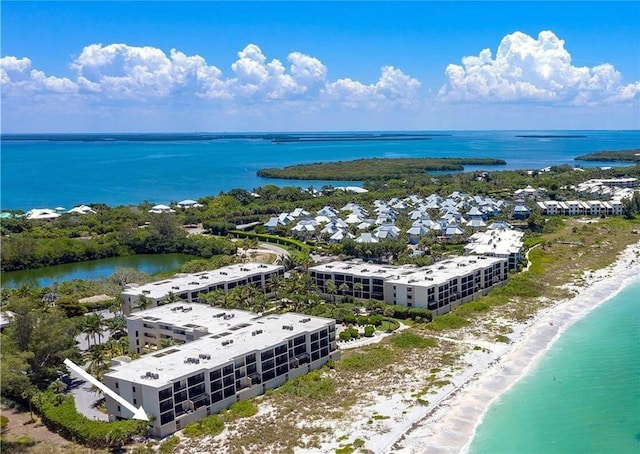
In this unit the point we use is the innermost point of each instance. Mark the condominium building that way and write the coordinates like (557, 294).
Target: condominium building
(188, 287)
(235, 355)
(447, 284)
(581, 208)
(503, 243)
(438, 287)
(369, 277)
(610, 182)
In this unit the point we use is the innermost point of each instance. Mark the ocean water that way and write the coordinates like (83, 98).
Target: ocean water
(47, 174)
(584, 394)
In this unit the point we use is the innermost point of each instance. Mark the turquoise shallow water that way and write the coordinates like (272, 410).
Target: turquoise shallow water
(584, 394)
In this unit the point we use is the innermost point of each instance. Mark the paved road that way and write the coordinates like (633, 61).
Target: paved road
(279, 251)
(85, 397)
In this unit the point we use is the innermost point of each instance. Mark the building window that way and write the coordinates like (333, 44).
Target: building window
(166, 418)
(215, 375)
(164, 394)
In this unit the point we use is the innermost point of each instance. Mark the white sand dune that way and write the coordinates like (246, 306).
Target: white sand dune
(450, 425)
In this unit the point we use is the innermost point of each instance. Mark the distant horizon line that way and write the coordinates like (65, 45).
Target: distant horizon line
(333, 131)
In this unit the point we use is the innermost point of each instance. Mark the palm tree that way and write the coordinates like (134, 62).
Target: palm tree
(305, 261)
(143, 302)
(170, 298)
(93, 326)
(117, 326)
(259, 304)
(357, 287)
(332, 289)
(287, 261)
(166, 342)
(98, 356)
(344, 288)
(275, 283)
(215, 297)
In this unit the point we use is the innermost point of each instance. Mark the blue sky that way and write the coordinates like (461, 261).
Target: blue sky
(282, 66)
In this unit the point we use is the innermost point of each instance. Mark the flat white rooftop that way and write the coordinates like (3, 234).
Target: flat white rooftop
(502, 242)
(170, 363)
(192, 282)
(363, 269)
(446, 270)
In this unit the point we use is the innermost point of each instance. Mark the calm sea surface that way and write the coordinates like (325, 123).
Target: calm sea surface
(584, 395)
(93, 269)
(48, 174)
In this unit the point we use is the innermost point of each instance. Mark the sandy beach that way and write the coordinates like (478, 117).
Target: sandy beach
(450, 422)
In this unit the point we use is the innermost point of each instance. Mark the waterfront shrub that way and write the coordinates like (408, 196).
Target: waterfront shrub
(211, 425)
(314, 385)
(350, 319)
(369, 330)
(416, 312)
(271, 239)
(344, 335)
(353, 332)
(401, 312)
(242, 409)
(65, 420)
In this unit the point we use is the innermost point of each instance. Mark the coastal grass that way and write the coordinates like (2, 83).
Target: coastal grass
(169, 445)
(408, 339)
(211, 425)
(315, 385)
(241, 409)
(367, 359)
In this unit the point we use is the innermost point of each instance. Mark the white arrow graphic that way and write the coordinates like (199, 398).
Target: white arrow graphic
(137, 413)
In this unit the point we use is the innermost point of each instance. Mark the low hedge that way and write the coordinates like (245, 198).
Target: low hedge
(299, 245)
(63, 418)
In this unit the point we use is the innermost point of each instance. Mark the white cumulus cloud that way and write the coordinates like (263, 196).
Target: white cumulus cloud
(18, 79)
(530, 69)
(121, 71)
(393, 86)
(143, 73)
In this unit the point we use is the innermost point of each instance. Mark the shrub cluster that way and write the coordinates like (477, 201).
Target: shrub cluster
(271, 239)
(64, 419)
(413, 313)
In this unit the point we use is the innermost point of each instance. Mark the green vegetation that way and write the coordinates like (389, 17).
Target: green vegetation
(30, 244)
(212, 425)
(314, 385)
(621, 155)
(447, 321)
(366, 169)
(299, 245)
(20, 444)
(169, 445)
(242, 409)
(60, 415)
(407, 339)
(369, 358)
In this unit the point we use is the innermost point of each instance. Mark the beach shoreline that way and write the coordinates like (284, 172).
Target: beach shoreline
(452, 418)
